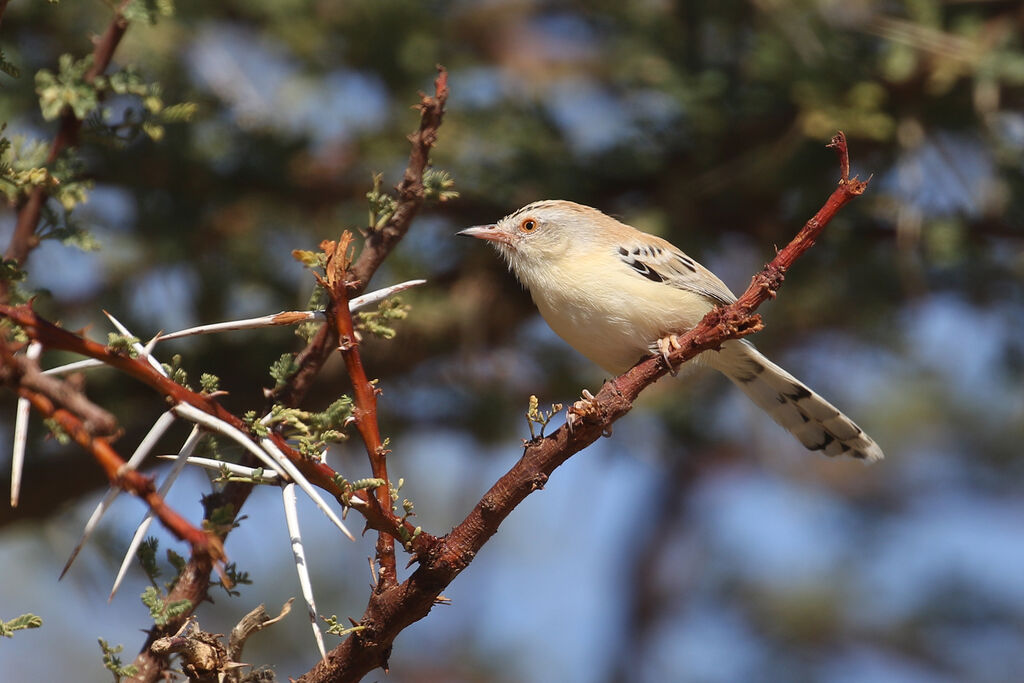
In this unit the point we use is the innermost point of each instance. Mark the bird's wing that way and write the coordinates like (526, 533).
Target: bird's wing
(657, 260)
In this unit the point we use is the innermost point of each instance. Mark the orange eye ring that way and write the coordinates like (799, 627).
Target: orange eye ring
(528, 225)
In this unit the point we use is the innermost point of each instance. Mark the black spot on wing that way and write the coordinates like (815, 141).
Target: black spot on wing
(631, 260)
(687, 263)
(751, 370)
(824, 444)
(798, 393)
(646, 271)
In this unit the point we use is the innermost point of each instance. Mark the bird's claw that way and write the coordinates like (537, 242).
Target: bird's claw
(667, 345)
(586, 406)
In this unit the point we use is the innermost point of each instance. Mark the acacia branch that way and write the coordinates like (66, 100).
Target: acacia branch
(339, 316)
(392, 610)
(310, 361)
(47, 396)
(379, 243)
(29, 211)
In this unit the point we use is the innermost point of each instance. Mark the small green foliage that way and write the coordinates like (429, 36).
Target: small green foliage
(368, 483)
(7, 628)
(382, 205)
(375, 322)
(176, 561)
(148, 11)
(235, 577)
(177, 374)
(113, 663)
(122, 344)
(317, 302)
(221, 519)
(146, 555)
(69, 232)
(437, 185)
(534, 415)
(23, 166)
(57, 432)
(10, 272)
(283, 368)
(183, 112)
(66, 88)
(251, 419)
(336, 629)
(161, 611)
(209, 383)
(313, 431)
(310, 259)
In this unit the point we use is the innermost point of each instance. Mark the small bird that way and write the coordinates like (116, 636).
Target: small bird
(616, 294)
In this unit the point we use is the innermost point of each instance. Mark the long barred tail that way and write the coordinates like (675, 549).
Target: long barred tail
(815, 422)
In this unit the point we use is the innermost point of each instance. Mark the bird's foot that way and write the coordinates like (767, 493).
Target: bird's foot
(585, 407)
(667, 345)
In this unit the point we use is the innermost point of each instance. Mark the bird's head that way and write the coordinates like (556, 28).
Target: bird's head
(540, 234)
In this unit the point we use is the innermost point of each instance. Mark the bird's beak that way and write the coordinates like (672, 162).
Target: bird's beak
(487, 232)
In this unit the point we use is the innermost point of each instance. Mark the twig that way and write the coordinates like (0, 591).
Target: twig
(67, 136)
(390, 612)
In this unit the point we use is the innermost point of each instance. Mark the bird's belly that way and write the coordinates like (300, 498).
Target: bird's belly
(616, 329)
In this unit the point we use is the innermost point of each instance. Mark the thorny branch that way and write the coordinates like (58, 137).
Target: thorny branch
(339, 317)
(311, 359)
(55, 401)
(392, 610)
(379, 243)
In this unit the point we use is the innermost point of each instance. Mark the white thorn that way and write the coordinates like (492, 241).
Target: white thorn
(74, 367)
(145, 446)
(380, 294)
(214, 424)
(140, 533)
(292, 519)
(304, 484)
(21, 433)
(291, 317)
(271, 320)
(268, 477)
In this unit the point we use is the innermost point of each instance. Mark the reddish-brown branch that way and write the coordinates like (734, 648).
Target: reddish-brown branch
(392, 610)
(379, 243)
(113, 465)
(53, 337)
(23, 240)
(339, 317)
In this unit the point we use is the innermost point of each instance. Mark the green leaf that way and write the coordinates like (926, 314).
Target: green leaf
(113, 663)
(7, 628)
(67, 88)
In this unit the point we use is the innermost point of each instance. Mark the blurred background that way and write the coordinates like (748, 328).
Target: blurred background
(700, 542)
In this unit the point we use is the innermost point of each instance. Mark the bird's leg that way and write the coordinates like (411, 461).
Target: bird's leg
(665, 346)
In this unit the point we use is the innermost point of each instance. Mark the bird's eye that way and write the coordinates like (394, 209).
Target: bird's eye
(528, 225)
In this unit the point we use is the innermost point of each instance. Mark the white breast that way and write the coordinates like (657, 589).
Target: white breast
(612, 316)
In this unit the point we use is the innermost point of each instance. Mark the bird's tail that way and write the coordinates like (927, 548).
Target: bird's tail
(815, 422)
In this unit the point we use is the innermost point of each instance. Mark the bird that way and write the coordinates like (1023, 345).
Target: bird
(617, 294)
